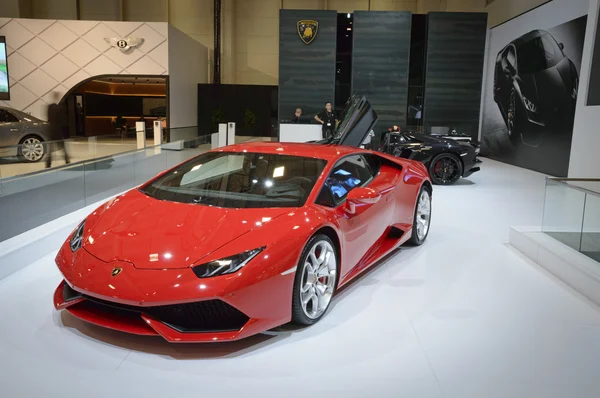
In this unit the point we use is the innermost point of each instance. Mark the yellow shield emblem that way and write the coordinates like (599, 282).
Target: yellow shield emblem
(307, 29)
(116, 271)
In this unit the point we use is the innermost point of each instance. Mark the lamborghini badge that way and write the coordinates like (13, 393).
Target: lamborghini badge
(116, 271)
(307, 29)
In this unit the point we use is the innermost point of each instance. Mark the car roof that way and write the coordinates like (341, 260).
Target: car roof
(527, 37)
(310, 150)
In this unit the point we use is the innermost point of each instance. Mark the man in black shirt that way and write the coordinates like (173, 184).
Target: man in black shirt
(327, 119)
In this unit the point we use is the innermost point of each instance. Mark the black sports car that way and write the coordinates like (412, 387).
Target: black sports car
(535, 87)
(447, 160)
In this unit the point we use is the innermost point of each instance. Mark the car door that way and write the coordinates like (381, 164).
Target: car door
(10, 128)
(358, 231)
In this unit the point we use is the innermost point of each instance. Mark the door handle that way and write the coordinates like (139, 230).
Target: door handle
(14, 129)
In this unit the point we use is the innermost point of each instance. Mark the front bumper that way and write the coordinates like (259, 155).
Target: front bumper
(172, 303)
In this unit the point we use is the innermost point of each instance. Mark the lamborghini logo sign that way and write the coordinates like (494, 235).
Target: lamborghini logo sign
(116, 271)
(307, 29)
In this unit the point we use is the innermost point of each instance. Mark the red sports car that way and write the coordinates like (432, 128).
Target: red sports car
(242, 239)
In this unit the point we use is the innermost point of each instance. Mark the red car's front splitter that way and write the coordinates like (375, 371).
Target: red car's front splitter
(143, 324)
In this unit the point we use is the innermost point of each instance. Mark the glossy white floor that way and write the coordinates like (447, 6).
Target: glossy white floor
(462, 316)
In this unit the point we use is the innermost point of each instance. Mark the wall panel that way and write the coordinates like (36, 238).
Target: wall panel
(380, 60)
(306, 72)
(454, 70)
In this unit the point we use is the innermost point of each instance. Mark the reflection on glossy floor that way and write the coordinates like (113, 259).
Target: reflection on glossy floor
(81, 149)
(462, 316)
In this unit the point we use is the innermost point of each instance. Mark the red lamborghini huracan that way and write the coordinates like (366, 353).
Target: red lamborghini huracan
(245, 238)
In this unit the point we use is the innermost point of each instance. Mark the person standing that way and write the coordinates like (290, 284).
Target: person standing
(58, 128)
(327, 119)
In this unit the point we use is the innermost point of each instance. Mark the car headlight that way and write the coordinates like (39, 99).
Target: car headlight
(529, 105)
(225, 265)
(77, 238)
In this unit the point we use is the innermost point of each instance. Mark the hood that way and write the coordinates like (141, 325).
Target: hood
(550, 86)
(154, 234)
(432, 140)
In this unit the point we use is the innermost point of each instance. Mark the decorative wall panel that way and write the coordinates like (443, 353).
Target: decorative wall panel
(306, 71)
(55, 55)
(454, 70)
(380, 59)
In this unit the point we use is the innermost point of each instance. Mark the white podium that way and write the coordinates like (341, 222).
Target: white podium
(300, 132)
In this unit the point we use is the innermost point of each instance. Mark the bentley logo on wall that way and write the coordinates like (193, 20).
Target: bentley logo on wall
(307, 29)
(126, 44)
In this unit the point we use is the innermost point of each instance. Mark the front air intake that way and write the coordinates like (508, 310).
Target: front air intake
(197, 317)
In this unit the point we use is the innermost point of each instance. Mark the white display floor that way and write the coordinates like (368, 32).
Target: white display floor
(462, 316)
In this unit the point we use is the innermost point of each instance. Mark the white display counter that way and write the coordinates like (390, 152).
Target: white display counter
(299, 132)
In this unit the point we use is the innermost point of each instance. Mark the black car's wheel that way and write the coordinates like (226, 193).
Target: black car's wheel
(422, 217)
(316, 280)
(511, 119)
(31, 149)
(445, 169)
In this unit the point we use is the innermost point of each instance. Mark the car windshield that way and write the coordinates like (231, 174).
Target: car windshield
(538, 54)
(239, 180)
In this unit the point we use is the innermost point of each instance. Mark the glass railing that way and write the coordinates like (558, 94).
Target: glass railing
(572, 213)
(35, 198)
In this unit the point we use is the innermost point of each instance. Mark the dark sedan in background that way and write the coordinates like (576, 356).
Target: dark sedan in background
(535, 87)
(22, 135)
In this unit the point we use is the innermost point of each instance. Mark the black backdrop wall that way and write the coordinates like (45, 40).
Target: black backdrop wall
(454, 70)
(380, 63)
(235, 103)
(306, 71)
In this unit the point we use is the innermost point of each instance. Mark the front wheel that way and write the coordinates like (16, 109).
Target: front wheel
(511, 119)
(445, 169)
(422, 217)
(316, 279)
(31, 149)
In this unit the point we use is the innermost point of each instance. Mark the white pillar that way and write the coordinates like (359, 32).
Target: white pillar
(158, 132)
(230, 133)
(222, 134)
(140, 133)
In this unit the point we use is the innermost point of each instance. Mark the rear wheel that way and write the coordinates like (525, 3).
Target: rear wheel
(316, 279)
(31, 149)
(445, 169)
(422, 217)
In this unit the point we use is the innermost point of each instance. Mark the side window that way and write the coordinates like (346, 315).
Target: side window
(3, 116)
(350, 172)
(10, 118)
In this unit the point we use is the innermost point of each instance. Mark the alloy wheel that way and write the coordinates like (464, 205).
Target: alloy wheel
(318, 279)
(510, 117)
(423, 214)
(446, 169)
(32, 149)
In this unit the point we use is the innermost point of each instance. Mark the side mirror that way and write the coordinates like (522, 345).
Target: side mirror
(361, 197)
(561, 46)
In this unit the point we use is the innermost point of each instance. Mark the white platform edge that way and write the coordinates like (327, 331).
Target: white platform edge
(575, 269)
(19, 251)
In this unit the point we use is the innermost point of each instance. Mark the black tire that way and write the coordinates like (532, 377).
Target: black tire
(23, 157)
(415, 239)
(445, 169)
(299, 316)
